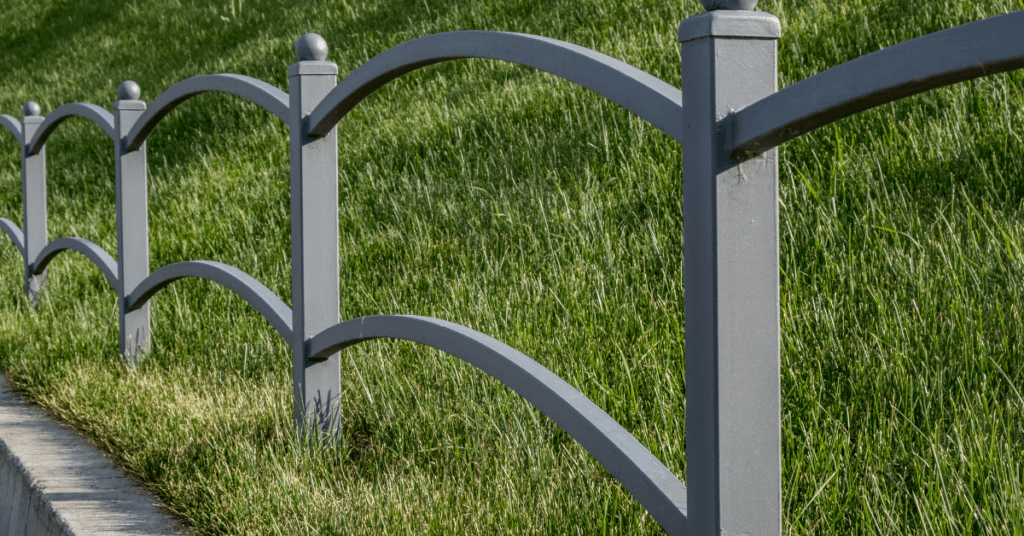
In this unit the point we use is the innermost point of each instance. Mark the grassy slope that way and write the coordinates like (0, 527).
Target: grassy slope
(531, 210)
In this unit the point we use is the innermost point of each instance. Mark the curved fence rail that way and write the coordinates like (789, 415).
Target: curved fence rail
(970, 51)
(102, 260)
(653, 485)
(15, 234)
(92, 112)
(650, 98)
(242, 284)
(732, 357)
(259, 92)
(13, 126)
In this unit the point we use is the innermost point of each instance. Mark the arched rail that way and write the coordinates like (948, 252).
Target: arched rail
(15, 234)
(651, 98)
(256, 91)
(242, 284)
(13, 126)
(939, 59)
(92, 112)
(91, 251)
(646, 478)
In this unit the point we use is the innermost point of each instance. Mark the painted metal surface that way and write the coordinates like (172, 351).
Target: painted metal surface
(646, 478)
(13, 126)
(33, 200)
(731, 229)
(749, 24)
(711, 5)
(316, 292)
(731, 272)
(15, 234)
(973, 50)
(91, 251)
(311, 47)
(132, 206)
(92, 112)
(128, 90)
(650, 98)
(242, 284)
(256, 91)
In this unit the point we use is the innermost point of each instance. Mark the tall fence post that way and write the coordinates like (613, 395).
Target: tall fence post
(132, 222)
(730, 212)
(314, 214)
(33, 199)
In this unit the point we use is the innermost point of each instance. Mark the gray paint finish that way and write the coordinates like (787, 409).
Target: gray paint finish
(711, 5)
(91, 251)
(648, 97)
(316, 383)
(973, 50)
(750, 24)
(33, 198)
(730, 222)
(14, 233)
(311, 47)
(132, 204)
(92, 112)
(242, 284)
(646, 478)
(13, 126)
(731, 229)
(256, 91)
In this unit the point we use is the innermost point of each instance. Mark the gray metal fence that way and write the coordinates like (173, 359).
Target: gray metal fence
(731, 122)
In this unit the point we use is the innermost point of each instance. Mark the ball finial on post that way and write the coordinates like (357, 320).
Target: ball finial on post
(742, 5)
(128, 90)
(311, 47)
(31, 108)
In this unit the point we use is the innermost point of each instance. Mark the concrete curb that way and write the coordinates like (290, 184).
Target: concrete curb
(55, 482)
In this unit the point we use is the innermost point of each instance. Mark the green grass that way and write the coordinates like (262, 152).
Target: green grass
(536, 212)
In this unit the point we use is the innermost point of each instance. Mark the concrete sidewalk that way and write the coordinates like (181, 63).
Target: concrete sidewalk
(55, 482)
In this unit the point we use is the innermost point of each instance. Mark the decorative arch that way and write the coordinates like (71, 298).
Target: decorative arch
(651, 98)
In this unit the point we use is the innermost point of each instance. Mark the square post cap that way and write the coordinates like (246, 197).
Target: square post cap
(728, 23)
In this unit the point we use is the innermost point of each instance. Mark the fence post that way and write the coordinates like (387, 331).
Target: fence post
(314, 214)
(730, 212)
(132, 223)
(33, 198)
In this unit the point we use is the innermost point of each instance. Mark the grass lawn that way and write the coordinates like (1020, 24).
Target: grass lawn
(534, 211)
